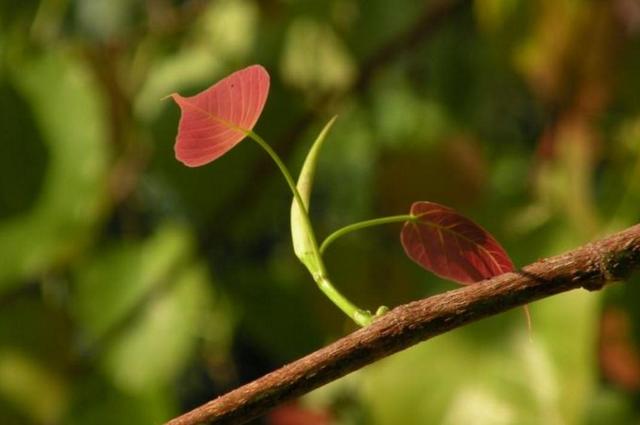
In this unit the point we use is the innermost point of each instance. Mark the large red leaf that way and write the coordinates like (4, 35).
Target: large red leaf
(215, 120)
(452, 246)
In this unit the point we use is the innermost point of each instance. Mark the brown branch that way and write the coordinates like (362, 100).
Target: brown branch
(591, 267)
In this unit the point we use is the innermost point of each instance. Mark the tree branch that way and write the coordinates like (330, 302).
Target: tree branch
(591, 267)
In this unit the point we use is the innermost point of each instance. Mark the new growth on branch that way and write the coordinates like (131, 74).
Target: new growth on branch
(434, 236)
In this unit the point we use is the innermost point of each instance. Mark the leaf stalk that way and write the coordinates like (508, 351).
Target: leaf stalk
(316, 266)
(362, 225)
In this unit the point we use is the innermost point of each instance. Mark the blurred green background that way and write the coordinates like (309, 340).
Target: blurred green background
(133, 288)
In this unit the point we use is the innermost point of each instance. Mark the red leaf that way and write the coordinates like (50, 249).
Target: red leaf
(452, 246)
(217, 119)
(294, 414)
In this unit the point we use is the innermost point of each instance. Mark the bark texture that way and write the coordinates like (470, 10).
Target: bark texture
(590, 267)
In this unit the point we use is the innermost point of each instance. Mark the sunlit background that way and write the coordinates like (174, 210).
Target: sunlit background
(133, 288)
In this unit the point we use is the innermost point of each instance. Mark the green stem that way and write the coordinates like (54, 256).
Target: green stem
(363, 224)
(360, 316)
(296, 195)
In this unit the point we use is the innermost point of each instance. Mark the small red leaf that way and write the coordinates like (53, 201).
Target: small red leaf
(217, 119)
(452, 246)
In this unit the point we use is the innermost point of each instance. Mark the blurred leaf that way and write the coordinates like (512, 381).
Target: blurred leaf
(34, 357)
(190, 66)
(11, 12)
(152, 352)
(224, 33)
(405, 117)
(70, 118)
(492, 15)
(542, 56)
(98, 402)
(564, 182)
(292, 414)
(228, 27)
(120, 277)
(144, 304)
(49, 19)
(315, 59)
(16, 157)
(106, 19)
(39, 392)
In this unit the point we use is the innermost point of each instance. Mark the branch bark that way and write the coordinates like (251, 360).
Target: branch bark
(591, 267)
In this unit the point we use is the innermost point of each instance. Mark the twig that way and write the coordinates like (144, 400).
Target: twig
(591, 267)
(432, 18)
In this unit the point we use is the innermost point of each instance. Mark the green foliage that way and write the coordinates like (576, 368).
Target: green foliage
(67, 112)
(132, 288)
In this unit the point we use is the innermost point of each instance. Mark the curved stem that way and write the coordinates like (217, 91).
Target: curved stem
(360, 316)
(420, 320)
(296, 195)
(363, 224)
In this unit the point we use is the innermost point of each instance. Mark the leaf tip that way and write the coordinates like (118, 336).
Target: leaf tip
(171, 95)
